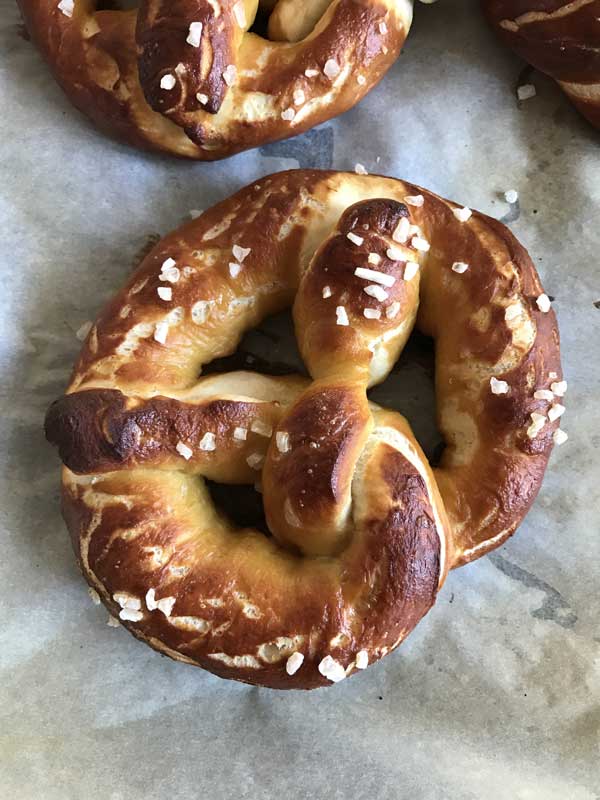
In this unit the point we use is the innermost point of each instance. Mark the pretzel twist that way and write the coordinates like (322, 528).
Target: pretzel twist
(363, 529)
(189, 77)
(560, 38)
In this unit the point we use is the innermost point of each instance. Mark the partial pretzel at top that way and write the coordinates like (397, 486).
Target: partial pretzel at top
(191, 78)
(363, 529)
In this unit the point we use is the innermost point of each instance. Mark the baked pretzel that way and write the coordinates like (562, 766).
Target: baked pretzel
(190, 78)
(560, 38)
(363, 530)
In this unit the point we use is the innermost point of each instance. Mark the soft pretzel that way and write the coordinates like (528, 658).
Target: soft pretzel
(189, 77)
(363, 529)
(560, 38)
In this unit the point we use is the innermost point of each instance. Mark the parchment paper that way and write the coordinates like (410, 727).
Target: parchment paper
(495, 695)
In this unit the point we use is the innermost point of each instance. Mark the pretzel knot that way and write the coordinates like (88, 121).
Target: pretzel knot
(558, 38)
(191, 78)
(363, 530)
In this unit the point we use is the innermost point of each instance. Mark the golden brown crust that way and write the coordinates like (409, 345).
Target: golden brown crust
(234, 90)
(364, 530)
(560, 38)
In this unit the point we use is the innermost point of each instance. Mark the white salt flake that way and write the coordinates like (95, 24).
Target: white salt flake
(240, 253)
(526, 91)
(239, 12)
(462, 214)
(113, 622)
(165, 293)
(66, 7)
(559, 388)
(374, 258)
(299, 97)
(326, 292)
(194, 34)
(360, 169)
(416, 200)
(420, 244)
(255, 460)
(288, 114)
(165, 604)
(130, 616)
(361, 80)
(94, 596)
(559, 436)
(208, 443)
(543, 303)
(168, 82)
(341, 316)
(498, 387)
(543, 394)
(395, 253)
(294, 662)
(161, 331)
(311, 73)
(234, 269)
(241, 434)
(555, 412)
(512, 312)
(282, 440)
(382, 28)
(460, 267)
(378, 292)
(261, 428)
(151, 603)
(362, 659)
(374, 275)
(332, 669)
(184, 450)
(83, 331)
(372, 313)
(230, 74)
(392, 310)
(511, 196)
(410, 270)
(331, 69)
(357, 240)
(402, 231)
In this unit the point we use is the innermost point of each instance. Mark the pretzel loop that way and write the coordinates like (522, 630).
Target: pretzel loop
(363, 529)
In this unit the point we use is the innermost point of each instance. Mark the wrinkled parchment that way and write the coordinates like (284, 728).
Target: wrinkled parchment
(495, 695)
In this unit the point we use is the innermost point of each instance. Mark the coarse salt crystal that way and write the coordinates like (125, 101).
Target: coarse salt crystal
(374, 258)
(299, 97)
(460, 267)
(331, 68)
(382, 27)
(66, 7)
(151, 603)
(230, 74)
(294, 662)
(234, 269)
(282, 440)
(498, 387)
(83, 331)
(262, 428)
(416, 200)
(94, 596)
(194, 34)
(241, 434)
(395, 253)
(239, 13)
(559, 436)
(341, 316)
(420, 244)
(392, 310)
(375, 276)
(372, 313)
(361, 80)
(184, 450)
(543, 303)
(202, 99)
(410, 270)
(161, 331)
(526, 91)
(401, 231)
(332, 669)
(362, 659)
(555, 412)
(165, 293)
(543, 394)
(240, 253)
(208, 442)
(311, 73)
(165, 604)
(511, 196)
(462, 214)
(168, 82)
(131, 616)
(357, 240)
(255, 460)
(360, 169)
(378, 292)
(559, 388)
(288, 114)
(326, 292)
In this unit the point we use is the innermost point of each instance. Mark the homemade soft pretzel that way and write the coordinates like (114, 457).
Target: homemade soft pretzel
(363, 529)
(188, 77)
(560, 38)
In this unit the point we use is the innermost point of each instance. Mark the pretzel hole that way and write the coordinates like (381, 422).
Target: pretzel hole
(241, 505)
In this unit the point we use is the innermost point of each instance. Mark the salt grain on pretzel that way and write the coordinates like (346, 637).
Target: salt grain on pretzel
(363, 529)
